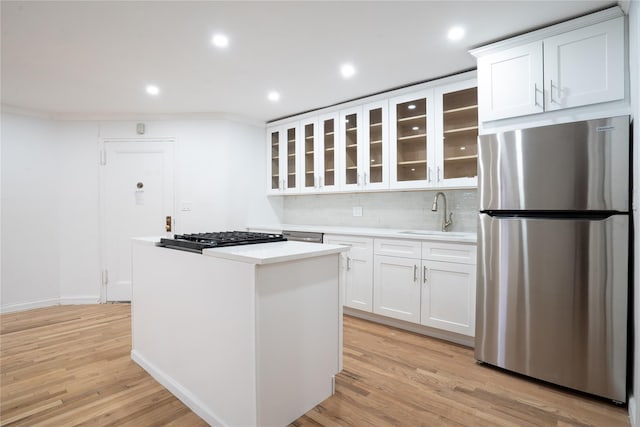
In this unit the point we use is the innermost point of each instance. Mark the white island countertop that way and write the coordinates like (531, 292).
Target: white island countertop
(269, 253)
(391, 233)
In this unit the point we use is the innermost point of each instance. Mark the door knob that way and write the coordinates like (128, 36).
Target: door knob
(167, 226)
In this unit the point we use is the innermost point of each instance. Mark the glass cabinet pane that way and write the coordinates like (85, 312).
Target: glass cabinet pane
(329, 152)
(460, 128)
(411, 140)
(375, 145)
(309, 156)
(275, 160)
(351, 148)
(291, 158)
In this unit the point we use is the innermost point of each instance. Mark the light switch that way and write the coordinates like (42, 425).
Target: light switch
(357, 211)
(186, 206)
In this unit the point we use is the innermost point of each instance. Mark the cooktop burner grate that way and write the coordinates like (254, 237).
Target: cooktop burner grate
(198, 241)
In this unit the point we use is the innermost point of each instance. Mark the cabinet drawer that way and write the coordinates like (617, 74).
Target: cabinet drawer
(397, 247)
(451, 252)
(360, 247)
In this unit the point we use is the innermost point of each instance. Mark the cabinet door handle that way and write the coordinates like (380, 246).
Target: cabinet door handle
(365, 178)
(415, 273)
(429, 174)
(438, 175)
(424, 274)
(551, 101)
(348, 263)
(535, 94)
(321, 184)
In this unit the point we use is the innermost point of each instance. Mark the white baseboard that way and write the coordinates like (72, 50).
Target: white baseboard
(633, 411)
(77, 300)
(70, 300)
(418, 329)
(29, 305)
(192, 402)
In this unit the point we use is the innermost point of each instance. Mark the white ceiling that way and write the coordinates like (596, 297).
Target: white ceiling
(94, 58)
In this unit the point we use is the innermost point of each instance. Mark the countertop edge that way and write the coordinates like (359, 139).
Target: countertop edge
(370, 232)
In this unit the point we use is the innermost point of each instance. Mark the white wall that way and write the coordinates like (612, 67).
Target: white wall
(30, 229)
(50, 192)
(78, 202)
(634, 63)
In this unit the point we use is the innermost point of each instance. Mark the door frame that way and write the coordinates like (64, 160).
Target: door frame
(102, 235)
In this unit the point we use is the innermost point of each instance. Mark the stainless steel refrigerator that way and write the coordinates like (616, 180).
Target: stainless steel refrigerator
(553, 254)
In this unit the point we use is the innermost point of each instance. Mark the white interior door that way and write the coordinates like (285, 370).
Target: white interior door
(137, 190)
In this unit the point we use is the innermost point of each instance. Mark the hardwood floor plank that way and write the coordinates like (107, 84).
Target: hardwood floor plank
(71, 365)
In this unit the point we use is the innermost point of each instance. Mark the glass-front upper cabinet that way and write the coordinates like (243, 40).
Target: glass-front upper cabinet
(412, 152)
(375, 163)
(291, 183)
(458, 127)
(310, 156)
(273, 148)
(282, 145)
(327, 163)
(350, 148)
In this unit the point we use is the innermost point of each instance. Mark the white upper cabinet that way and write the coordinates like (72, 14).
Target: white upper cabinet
(351, 146)
(585, 66)
(510, 82)
(573, 64)
(283, 146)
(327, 150)
(456, 162)
(412, 151)
(310, 165)
(375, 147)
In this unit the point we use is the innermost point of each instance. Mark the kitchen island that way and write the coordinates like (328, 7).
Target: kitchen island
(243, 335)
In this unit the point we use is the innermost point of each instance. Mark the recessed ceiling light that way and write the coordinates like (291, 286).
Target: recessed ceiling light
(273, 96)
(220, 40)
(455, 33)
(347, 70)
(152, 89)
(411, 107)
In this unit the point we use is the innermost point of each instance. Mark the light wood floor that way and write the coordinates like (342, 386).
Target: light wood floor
(70, 365)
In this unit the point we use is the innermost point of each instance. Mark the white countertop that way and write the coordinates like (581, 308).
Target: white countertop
(261, 253)
(448, 236)
(269, 253)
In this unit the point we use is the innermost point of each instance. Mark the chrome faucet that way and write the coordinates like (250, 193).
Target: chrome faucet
(445, 223)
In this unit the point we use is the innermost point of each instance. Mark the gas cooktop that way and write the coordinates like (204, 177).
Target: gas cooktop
(199, 241)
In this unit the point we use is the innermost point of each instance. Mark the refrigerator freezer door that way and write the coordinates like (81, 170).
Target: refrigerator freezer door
(552, 300)
(573, 166)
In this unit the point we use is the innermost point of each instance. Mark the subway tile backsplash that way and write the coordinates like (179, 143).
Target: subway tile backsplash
(397, 209)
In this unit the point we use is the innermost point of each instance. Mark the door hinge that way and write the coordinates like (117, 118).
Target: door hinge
(103, 157)
(105, 276)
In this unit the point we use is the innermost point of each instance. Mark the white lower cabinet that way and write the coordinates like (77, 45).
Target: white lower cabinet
(448, 296)
(396, 279)
(358, 286)
(396, 287)
(430, 283)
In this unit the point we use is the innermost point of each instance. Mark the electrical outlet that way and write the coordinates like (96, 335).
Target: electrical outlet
(357, 211)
